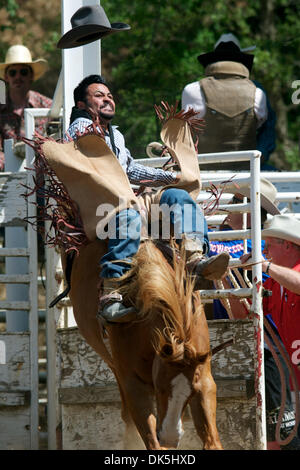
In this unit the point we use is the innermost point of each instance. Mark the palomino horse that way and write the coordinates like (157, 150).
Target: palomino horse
(161, 361)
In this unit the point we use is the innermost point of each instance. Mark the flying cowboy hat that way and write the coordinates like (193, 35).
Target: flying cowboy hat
(89, 23)
(19, 54)
(228, 48)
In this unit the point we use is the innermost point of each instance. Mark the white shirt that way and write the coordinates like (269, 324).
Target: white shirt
(193, 97)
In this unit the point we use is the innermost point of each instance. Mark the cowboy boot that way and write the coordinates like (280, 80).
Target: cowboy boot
(200, 266)
(111, 308)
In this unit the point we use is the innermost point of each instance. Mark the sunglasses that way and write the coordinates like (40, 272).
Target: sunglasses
(13, 72)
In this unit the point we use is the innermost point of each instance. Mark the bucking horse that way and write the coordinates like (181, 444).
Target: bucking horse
(162, 358)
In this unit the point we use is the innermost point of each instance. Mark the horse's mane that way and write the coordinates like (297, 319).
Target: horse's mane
(158, 290)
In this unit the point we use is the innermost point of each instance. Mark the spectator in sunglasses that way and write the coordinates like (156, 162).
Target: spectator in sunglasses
(19, 72)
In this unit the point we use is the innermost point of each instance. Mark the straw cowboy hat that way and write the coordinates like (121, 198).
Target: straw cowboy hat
(89, 23)
(19, 54)
(228, 48)
(268, 193)
(283, 226)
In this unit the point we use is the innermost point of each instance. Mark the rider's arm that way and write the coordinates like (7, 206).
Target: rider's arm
(138, 174)
(78, 126)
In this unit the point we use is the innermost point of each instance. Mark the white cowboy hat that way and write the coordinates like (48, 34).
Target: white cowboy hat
(268, 193)
(283, 226)
(19, 54)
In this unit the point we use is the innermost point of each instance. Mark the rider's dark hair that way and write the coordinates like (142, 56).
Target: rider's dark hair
(80, 91)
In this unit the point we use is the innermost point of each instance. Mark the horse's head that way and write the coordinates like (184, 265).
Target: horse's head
(178, 370)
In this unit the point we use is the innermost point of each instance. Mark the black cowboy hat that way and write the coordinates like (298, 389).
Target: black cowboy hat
(226, 51)
(89, 23)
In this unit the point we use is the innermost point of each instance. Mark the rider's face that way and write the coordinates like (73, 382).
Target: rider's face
(100, 101)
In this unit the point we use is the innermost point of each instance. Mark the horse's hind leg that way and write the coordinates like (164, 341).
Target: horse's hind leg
(132, 439)
(139, 399)
(203, 408)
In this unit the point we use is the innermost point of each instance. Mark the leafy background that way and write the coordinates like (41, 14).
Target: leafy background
(158, 56)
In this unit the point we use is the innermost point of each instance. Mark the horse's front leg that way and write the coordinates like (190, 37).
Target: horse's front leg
(140, 403)
(203, 408)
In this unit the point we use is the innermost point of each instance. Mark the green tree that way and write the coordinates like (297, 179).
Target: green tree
(10, 9)
(158, 57)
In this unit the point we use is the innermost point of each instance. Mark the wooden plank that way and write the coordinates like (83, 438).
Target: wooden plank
(235, 388)
(13, 205)
(14, 305)
(15, 372)
(83, 367)
(15, 252)
(109, 393)
(236, 360)
(100, 427)
(15, 428)
(14, 398)
(14, 278)
(92, 427)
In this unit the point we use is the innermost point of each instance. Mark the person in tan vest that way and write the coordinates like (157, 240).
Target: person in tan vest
(236, 110)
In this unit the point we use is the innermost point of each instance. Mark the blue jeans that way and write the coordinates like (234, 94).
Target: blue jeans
(184, 214)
